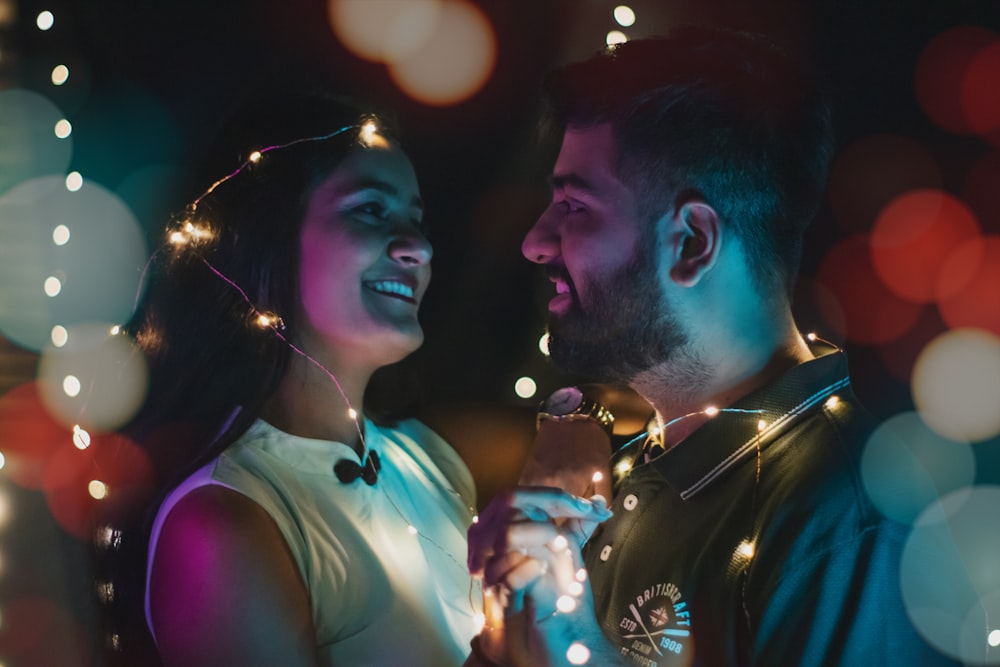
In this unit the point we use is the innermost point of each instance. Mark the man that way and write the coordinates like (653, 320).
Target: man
(688, 171)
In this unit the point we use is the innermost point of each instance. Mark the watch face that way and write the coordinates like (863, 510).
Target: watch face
(564, 401)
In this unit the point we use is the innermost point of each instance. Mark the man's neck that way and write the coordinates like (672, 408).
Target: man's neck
(686, 390)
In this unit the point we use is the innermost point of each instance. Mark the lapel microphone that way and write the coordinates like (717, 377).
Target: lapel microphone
(348, 471)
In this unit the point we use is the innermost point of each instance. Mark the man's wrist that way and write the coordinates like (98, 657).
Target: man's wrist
(572, 404)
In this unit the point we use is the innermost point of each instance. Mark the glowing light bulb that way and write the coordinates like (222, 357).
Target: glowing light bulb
(623, 466)
(370, 136)
(832, 402)
(811, 336)
(63, 128)
(52, 286)
(115, 330)
(352, 413)
(81, 438)
(74, 181)
(263, 320)
(59, 335)
(543, 344)
(624, 15)
(597, 476)
(71, 385)
(581, 574)
(746, 549)
(525, 387)
(255, 157)
(178, 238)
(60, 75)
(475, 518)
(559, 542)
(615, 37)
(566, 603)
(575, 588)
(577, 654)
(411, 530)
(761, 425)
(45, 20)
(711, 411)
(60, 235)
(97, 489)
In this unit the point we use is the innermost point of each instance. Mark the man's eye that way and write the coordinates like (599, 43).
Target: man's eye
(372, 208)
(569, 206)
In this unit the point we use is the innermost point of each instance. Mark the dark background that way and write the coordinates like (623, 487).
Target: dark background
(153, 81)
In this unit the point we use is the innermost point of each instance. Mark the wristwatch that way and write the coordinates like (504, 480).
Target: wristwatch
(571, 404)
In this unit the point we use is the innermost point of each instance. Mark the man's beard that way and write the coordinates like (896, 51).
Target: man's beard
(625, 327)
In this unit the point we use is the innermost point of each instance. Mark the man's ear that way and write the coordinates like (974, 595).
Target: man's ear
(694, 242)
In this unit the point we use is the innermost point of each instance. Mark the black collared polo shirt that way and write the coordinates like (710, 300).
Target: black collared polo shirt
(752, 542)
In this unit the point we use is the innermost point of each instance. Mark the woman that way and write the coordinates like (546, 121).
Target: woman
(296, 531)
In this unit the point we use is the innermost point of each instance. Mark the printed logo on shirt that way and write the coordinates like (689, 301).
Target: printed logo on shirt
(656, 627)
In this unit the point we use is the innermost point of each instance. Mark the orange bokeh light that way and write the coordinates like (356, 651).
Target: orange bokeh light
(912, 238)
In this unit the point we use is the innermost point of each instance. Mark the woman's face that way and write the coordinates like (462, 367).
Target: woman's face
(365, 264)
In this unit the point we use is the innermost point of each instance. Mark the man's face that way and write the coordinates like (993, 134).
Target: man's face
(609, 319)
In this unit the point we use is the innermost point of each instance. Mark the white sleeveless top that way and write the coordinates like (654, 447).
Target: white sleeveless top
(380, 594)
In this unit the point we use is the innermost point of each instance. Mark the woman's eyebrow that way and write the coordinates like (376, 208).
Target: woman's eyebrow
(382, 186)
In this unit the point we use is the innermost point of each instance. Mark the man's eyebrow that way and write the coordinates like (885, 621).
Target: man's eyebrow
(571, 180)
(382, 186)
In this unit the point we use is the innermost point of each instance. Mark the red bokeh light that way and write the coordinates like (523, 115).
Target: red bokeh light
(28, 435)
(112, 459)
(941, 72)
(982, 193)
(969, 286)
(37, 632)
(913, 236)
(980, 90)
(871, 314)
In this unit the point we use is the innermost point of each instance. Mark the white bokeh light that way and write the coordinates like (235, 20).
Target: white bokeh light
(624, 15)
(525, 387)
(60, 235)
(615, 37)
(956, 384)
(71, 386)
(59, 335)
(949, 576)
(109, 367)
(60, 75)
(74, 181)
(45, 20)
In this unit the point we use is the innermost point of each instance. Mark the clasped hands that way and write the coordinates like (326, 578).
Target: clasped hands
(526, 546)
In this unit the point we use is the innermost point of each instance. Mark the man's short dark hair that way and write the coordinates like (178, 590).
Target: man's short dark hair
(718, 115)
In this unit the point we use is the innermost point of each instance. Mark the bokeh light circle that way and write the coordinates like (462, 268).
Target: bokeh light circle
(525, 387)
(100, 265)
(624, 15)
(385, 31)
(30, 148)
(968, 288)
(906, 466)
(455, 62)
(949, 575)
(941, 70)
(869, 173)
(112, 374)
(913, 237)
(980, 90)
(76, 481)
(38, 631)
(854, 297)
(28, 435)
(956, 384)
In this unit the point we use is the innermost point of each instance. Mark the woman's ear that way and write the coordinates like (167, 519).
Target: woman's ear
(695, 240)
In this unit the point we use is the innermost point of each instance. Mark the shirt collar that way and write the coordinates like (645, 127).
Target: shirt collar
(764, 415)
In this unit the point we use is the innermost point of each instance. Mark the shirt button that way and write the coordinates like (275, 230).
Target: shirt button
(606, 552)
(630, 502)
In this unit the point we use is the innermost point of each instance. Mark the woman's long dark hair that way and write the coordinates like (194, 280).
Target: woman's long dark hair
(211, 365)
